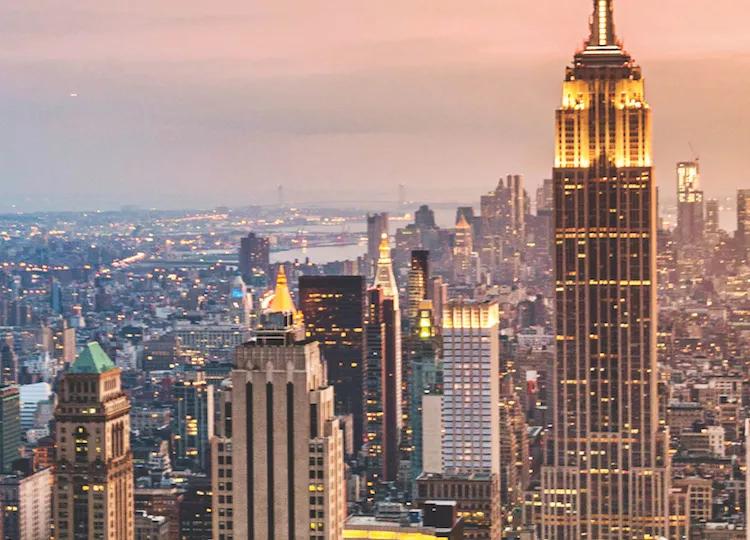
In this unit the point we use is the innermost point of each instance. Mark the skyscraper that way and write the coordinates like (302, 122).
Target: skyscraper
(388, 323)
(287, 445)
(255, 253)
(8, 361)
(419, 277)
(193, 421)
(377, 226)
(334, 309)
(743, 223)
(607, 472)
(690, 206)
(94, 468)
(463, 252)
(10, 427)
(471, 387)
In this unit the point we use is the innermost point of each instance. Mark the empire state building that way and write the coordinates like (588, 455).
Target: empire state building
(607, 474)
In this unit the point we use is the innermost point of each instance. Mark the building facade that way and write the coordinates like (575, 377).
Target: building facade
(607, 473)
(333, 308)
(287, 445)
(94, 468)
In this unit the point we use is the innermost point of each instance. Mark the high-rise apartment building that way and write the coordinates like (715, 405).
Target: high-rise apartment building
(26, 502)
(193, 421)
(287, 445)
(471, 387)
(607, 471)
(255, 256)
(10, 427)
(743, 223)
(690, 204)
(333, 308)
(94, 469)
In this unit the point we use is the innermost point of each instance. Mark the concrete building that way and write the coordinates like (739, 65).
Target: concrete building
(26, 501)
(287, 445)
(471, 391)
(94, 468)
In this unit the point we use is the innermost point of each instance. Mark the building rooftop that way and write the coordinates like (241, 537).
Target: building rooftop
(92, 360)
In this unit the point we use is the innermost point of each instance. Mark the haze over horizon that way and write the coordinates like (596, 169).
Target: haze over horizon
(143, 104)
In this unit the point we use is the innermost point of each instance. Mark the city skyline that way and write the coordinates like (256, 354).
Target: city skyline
(551, 354)
(112, 98)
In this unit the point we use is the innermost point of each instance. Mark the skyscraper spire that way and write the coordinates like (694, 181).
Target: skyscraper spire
(603, 25)
(384, 276)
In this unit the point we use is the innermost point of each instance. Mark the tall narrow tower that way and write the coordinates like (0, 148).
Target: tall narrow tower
(94, 468)
(607, 473)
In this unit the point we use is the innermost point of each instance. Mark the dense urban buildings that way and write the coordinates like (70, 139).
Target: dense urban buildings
(567, 365)
(607, 470)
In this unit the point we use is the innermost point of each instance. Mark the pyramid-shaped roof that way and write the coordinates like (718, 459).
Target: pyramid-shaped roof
(92, 360)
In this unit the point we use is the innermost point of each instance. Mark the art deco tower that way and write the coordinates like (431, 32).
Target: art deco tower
(607, 476)
(94, 470)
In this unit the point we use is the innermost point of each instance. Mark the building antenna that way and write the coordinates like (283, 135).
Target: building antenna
(696, 157)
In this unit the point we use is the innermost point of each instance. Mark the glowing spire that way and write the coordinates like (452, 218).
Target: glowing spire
(282, 299)
(384, 277)
(603, 25)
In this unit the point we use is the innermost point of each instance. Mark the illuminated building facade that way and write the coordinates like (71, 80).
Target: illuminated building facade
(425, 379)
(287, 444)
(383, 372)
(690, 205)
(333, 308)
(93, 496)
(193, 421)
(419, 277)
(464, 271)
(471, 387)
(607, 473)
(377, 226)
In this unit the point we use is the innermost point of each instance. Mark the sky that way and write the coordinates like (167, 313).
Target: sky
(191, 103)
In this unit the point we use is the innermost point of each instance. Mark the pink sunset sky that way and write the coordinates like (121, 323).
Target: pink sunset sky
(195, 103)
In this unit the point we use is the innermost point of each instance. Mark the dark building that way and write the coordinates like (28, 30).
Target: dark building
(419, 277)
(607, 469)
(10, 427)
(476, 498)
(8, 361)
(195, 509)
(383, 372)
(255, 256)
(333, 309)
(424, 218)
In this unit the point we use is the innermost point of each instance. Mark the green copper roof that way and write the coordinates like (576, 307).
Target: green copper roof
(92, 359)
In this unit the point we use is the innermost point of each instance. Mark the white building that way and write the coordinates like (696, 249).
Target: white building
(471, 357)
